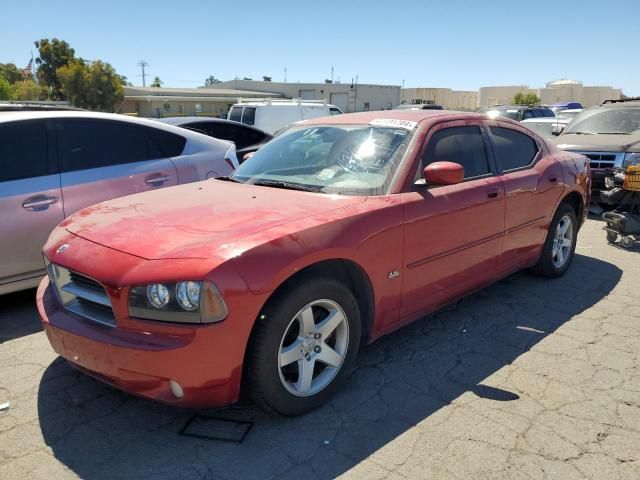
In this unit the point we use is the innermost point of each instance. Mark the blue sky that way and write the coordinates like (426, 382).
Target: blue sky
(456, 44)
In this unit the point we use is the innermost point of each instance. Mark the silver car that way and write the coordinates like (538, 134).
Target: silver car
(55, 163)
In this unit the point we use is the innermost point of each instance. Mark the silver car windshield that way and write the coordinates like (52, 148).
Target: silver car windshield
(606, 121)
(340, 159)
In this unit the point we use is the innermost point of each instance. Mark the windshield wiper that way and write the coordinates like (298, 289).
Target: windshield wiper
(615, 133)
(229, 179)
(286, 185)
(579, 133)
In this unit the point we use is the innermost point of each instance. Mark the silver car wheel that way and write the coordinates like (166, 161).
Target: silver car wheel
(313, 348)
(562, 242)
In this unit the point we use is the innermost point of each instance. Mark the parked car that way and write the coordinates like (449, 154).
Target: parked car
(548, 128)
(568, 114)
(272, 115)
(558, 107)
(418, 106)
(247, 139)
(338, 231)
(609, 135)
(517, 112)
(55, 163)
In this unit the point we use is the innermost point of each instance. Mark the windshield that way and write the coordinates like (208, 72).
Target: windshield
(606, 121)
(345, 159)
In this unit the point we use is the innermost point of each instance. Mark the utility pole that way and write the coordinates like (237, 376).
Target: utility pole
(285, 74)
(142, 64)
(331, 73)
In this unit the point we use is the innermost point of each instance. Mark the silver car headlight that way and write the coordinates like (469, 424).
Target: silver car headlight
(631, 159)
(181, 302)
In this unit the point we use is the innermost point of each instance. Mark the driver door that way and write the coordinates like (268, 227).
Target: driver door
(452, 233)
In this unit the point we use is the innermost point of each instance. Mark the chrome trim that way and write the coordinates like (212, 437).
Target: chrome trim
(83, 296)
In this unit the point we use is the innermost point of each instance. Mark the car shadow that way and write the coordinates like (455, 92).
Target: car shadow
(18, 315)
(401, 380)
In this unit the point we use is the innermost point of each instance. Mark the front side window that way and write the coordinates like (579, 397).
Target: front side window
(513, 149)
(94, 144)
(334, 111)
(605, 121)
(344, 159)
(462, 145)
(23, 150)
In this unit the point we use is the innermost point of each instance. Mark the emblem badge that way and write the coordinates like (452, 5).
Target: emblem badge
(62, 248)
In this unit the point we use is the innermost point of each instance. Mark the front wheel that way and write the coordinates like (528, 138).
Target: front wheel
(304, 345)
(612, 237)
(560, 245)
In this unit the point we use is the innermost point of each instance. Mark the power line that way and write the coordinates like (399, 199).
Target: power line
(142, 64)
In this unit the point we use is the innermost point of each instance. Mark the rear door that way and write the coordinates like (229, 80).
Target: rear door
(533, 183)
(30, 198)
(104, 159)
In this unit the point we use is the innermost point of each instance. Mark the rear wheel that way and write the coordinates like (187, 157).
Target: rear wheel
(304, 345)
(559, 247)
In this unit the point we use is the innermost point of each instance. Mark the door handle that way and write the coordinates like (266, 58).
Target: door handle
(39, 202)
(156, 180)
(493, 193)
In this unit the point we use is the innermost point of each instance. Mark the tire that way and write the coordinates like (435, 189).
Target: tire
(612, 237)
(549, 264)
(288, 337)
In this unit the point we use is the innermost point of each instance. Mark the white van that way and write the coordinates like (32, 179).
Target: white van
(271, 115)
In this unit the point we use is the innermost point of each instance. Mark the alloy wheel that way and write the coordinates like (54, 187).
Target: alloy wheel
(562, 242)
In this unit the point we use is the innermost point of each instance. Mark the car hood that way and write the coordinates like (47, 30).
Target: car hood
(197, 219)
(599, 143)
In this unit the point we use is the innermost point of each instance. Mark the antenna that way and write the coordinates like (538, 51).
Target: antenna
(143, 64)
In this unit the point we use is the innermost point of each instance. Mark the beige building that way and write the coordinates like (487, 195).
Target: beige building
(155, 102)
(347, 96)
(554, 92)
(447, 98)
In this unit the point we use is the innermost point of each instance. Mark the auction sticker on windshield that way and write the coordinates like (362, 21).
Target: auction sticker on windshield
(393, 122)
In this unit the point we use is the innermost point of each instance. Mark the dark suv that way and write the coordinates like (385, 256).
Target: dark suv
(609, 135)
(518, 112)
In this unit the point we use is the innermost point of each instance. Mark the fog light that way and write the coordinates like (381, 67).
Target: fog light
(176, 389)
(158, 295)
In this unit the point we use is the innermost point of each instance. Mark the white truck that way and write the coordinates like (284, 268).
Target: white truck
(271, 115)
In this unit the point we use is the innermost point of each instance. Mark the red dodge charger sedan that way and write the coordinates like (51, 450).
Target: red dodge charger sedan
(336, 232)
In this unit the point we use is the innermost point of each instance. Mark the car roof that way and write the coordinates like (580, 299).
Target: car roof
(514, 107)
(363, 118)
(545, 120)
(6, 117)
(631, 104)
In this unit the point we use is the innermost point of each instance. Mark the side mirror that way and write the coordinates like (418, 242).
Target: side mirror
(443, 173)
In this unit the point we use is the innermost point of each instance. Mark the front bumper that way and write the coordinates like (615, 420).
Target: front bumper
(142, 357)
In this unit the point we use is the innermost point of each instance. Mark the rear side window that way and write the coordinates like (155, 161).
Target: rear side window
(236, 114)
(23, 150)
(463, 145)
(249, 116)
(163, 144)
(513, 149)
(94, 144)
(547, 113)
(238, 134)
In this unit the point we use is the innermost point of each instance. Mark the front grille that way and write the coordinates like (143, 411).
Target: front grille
(81, 295)
(602, 160)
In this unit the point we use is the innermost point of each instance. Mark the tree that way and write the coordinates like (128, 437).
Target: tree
(6, 91)
(53, 55)
(211, 80)
(156, 82)
(526, 99)
(10, 72)
(29, 90)
(94, 87)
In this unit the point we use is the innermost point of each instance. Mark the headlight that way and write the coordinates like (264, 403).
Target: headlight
(631, 159)
(182, 302)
